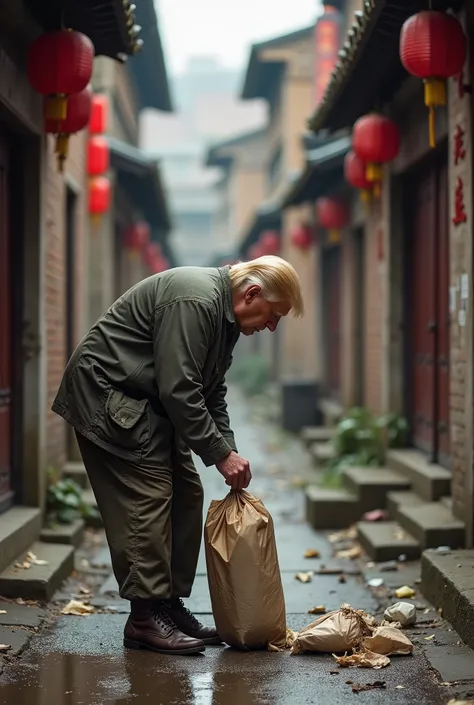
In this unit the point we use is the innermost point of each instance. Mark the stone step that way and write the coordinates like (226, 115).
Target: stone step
(316, 434)
(38, 582)
(19, 527)
(403, 498)
(90, 501)
(71, 534)
(447, 581)
(371, 485)
(432, 524)
(331, 508)
(428, 480)
(332, 411)
(386, 541)
(76, 471)
(321, 453)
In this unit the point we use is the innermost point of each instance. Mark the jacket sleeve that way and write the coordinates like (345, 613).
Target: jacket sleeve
(183, 335)
(217, 406)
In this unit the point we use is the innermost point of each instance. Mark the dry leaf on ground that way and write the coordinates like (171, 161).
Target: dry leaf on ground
(352, 553)
(320, 609)
(405, 592)
(30, 559)
(304, 577)
(350, 533)
(429, 638)
(312, 553)
(5, 647)
(363, 659)
(77, 608)
(3, 611)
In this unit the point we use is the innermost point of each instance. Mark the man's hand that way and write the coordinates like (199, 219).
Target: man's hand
(236, 471)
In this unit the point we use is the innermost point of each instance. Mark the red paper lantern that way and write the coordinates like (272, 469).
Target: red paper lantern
(433, 47)
(151, 253)
(355, 171)
(98, 156)
(376, 141)
(160, 264)
(99, 195)
(331, 213)
(301, 237)
(137, 236)
(77, 118)
(60, 64)
(270, 242)
(99, 114)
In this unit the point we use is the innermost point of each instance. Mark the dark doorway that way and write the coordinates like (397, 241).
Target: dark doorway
(428, 309)
(70, 290)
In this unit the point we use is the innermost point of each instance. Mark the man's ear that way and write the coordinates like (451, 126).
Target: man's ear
(253, 291)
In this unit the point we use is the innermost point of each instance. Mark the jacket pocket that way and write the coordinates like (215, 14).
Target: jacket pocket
(127, 420)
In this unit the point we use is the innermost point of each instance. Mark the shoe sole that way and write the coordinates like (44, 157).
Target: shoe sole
(137, 645)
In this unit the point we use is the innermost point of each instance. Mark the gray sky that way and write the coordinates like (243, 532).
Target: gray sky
(226, 28)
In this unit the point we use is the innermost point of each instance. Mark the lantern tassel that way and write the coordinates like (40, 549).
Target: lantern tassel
(334, 236)
(62, 144)
(56, 107)
(432, 126)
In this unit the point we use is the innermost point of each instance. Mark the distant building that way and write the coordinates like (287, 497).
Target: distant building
(208, 111)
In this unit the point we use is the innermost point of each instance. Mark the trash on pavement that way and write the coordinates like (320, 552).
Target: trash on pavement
(352, 553)
(29, 560)
(405, 592)
(312, 553)
(77, 608)
(304, 577)
(388, 566)
(342, 579)
(360, 687)
(336, 632)
(376, 515)
(244, 574)
(363, 659)
(320, 609)
(344, 535)
(429, 638)
(375, 582)
(388, 640)
(5, 647)
(403, 612)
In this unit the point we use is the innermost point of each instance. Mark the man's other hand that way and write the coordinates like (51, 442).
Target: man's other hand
(236, 471)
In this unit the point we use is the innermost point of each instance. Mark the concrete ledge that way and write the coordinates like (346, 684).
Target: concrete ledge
(19, 527)
(399, 499)
(448, 583)
(372, 485)
(385, 541)
(332, 411)
(321, 452)
(38, 582)
(432, 524)
(70, 534)
(316, 434)
(429, 480)
(331, 508)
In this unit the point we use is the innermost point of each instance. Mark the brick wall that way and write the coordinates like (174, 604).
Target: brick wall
(55, 279)
(373, 316)
(348, 319)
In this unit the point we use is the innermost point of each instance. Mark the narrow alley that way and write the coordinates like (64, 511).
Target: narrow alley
(79, 660)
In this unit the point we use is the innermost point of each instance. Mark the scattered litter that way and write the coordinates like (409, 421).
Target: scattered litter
(363, 659)
(402, 612)
(376, 515)
(399, 687)
(370, 564)
(77, 608)
(29, 560)
(388, 567)
(388, 641)
(334, 673)
(304, 577)
(3, 611)
(320, 609)
(84, 590)
(352, 553)
(329, 570)
(375, 582)
(403, 558)
(360, 687)
(346, 534)
(399, 534)
(405, 592)
(429, 638)
(5, 647)
(342, 579)
(336, 632)
(312, 553)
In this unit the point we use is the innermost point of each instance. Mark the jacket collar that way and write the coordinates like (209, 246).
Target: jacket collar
(227, 288)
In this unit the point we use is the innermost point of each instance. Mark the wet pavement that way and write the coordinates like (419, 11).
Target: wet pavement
(81, 661)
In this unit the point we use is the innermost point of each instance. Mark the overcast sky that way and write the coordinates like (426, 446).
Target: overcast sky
(226, 28)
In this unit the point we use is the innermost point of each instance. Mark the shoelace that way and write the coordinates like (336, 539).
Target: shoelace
(163, 619)
(182, 608)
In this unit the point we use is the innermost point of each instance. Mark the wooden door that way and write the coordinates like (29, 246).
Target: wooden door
(5, 327)
(332, 306)
(443, 322)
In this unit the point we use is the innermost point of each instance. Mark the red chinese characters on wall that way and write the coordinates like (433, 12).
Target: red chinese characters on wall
(459, 207)
(459, 151)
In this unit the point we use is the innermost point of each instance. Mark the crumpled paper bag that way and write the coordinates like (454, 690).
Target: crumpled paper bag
(363, 659)
(243, 573)
(388, 641)
(402, 612)
(335, 632)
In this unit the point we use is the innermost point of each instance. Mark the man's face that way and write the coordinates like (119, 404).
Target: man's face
(254, 314)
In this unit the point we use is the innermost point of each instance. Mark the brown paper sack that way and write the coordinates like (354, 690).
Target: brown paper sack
(243, 573)
(335, 632)
(389, 641)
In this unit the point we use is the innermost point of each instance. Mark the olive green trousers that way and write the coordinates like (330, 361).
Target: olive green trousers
(152, 518)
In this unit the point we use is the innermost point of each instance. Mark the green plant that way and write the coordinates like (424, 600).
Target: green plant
(361, 439)
(251, 374)
(65, 500)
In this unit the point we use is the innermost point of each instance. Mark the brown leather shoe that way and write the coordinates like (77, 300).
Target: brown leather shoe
(188, 624)
(149, 626)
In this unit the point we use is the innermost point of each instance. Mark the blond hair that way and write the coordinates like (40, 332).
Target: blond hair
(276, 277)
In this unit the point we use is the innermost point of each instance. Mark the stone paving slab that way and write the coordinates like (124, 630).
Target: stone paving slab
(20, 615)
(17, 639)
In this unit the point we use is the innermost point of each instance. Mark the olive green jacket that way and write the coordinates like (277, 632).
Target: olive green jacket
(153, 366)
